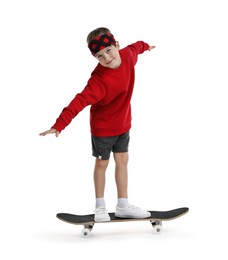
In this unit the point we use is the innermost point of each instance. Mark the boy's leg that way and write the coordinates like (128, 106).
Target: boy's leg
(101, 147)
(99, 177)
(101, 213)
(121, 174)
(123, 209)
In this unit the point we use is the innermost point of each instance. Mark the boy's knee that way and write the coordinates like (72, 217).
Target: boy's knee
(102, 163)
(121, 158)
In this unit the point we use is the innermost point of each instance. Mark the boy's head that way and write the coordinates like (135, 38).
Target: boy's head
(104, 47)
(99, 39)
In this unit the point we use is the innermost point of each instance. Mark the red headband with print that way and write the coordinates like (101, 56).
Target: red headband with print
(101, 42)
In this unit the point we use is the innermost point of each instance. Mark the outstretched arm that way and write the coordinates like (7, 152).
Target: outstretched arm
(50, 131)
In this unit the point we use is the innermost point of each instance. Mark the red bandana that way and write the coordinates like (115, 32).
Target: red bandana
(101, 42)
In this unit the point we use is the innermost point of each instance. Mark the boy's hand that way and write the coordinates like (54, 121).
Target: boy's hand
(50, 131)
(151, 47)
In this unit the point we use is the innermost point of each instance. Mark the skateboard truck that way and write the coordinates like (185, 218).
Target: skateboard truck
(87, 230)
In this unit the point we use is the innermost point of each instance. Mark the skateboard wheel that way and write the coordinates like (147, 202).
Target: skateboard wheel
(157, 229)
(85, 232)
(157, 225)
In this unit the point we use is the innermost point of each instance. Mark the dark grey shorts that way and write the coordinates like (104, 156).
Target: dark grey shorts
(103, 146)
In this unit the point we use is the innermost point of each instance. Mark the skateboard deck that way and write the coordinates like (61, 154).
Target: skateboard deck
(155, 219)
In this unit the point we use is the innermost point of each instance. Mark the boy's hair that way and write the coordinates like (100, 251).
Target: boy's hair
(97, 32)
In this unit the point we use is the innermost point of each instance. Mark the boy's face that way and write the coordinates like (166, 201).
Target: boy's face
(109, 57)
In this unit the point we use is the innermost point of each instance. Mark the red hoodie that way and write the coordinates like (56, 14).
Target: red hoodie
(109, 92)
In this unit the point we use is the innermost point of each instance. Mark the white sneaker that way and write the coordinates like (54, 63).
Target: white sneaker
(131, 212)
(101, 215)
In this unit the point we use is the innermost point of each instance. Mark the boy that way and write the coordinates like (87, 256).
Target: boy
(109, 92)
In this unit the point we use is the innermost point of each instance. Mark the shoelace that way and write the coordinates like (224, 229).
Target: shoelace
(100, 210)
(132, 207)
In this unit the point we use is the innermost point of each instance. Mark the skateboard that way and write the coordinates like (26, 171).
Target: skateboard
(156, 218)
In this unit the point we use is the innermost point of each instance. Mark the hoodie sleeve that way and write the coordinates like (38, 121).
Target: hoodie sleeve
(92, 93)
(137, 48)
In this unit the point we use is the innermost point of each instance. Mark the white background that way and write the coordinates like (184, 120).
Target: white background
(179, 143)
